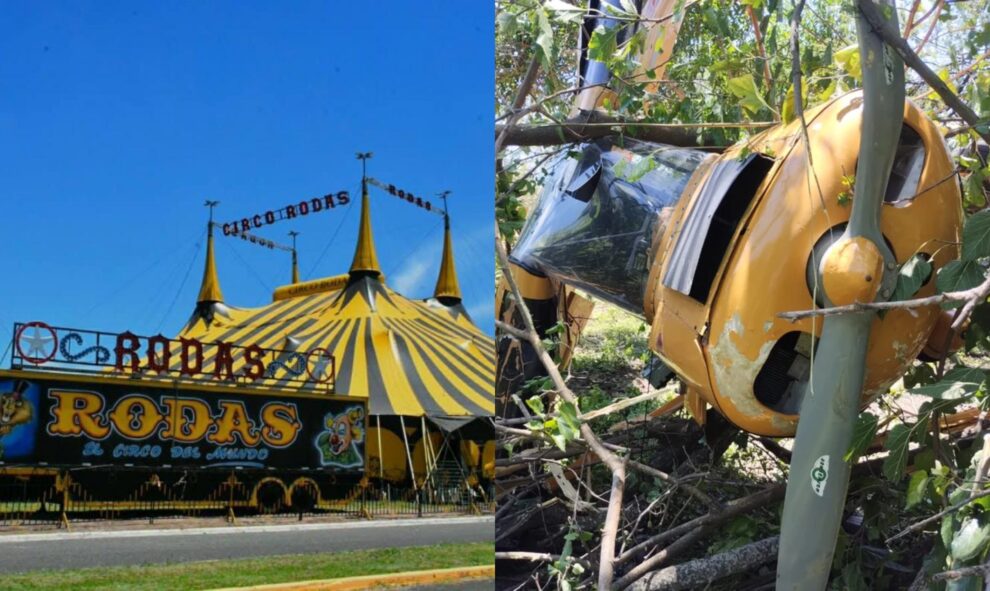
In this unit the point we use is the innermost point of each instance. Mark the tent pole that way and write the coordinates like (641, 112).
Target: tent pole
(381, 463)
(431, 459)
(405, 438)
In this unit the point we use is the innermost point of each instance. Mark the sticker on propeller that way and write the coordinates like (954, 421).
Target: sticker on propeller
(819, 475)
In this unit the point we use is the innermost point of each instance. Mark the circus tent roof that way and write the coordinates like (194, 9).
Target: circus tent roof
(408, 357)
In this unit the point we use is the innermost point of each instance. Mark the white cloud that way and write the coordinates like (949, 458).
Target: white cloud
(418, 274)
(413, 279)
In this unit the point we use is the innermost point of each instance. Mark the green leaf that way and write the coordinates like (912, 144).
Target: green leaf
(828, 91)
(535, 404)
(970, 540)
(897, 444)
(948, 529)
(629, 8)
(958, 276)
(925, 459)
(866, 429)
(973, 188)
(750, 99)
(916, 489)
(568, 13)
(565, 427)
(544, 37)
(911, 276)
(958, 383)
(568, 419)
(568, 413)
(945, 77)
(787, 109)
(848, 59)
(603, 43)
(976, 236)
(507, 22)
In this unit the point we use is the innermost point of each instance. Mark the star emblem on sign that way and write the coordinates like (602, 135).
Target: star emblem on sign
(36, 342)
(319, 361)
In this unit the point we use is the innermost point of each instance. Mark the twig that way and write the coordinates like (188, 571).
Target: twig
(778, 451)
(910, 19)
(767, 78)
(610, 529)
(524, 87)
(528, 556)
(622, 404)
(938, 10)
(980, 570)
(933, 518)
(972, 296)
(693, 490)
(796, 74)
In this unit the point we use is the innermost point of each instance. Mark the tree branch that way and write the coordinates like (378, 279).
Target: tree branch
(698, 574)
(524, 87)
(593, 125)
(696, 530)
(616, 464)
(898, 44)
(972, 297)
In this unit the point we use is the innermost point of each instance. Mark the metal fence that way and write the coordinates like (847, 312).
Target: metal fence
(32, 497)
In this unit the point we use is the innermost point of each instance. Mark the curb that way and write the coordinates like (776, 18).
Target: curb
(235, 529)
(417, 577)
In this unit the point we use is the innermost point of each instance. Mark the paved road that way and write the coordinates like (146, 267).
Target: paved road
(90, 549)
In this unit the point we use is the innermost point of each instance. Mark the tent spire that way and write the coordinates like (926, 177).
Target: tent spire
(295, 258)
(210, 292)
(448, 290)
(365, 259)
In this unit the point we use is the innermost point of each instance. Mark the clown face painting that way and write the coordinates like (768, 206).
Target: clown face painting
(339, 444)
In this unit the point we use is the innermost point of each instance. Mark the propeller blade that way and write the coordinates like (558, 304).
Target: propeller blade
(816, 486)
(819, 476)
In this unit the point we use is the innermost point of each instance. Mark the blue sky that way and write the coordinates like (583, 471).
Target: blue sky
(119, 119)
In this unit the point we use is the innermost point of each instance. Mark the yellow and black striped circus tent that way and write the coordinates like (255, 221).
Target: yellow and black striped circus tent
(426, 370)
(407, 357)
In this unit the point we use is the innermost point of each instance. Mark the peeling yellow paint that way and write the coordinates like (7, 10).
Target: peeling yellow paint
(734, 372)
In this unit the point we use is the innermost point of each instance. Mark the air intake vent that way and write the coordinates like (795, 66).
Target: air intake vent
(707, 232)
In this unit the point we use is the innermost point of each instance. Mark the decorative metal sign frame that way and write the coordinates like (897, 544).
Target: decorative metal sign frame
(39, 346)
(416, 200)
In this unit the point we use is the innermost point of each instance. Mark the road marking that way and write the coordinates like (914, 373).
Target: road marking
(249, 529)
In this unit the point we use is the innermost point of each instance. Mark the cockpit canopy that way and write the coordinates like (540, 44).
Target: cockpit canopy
(596, 221)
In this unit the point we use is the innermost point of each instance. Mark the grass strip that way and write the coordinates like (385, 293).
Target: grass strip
(214, 574)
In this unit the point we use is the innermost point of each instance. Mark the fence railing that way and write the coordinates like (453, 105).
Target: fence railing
(59, 498)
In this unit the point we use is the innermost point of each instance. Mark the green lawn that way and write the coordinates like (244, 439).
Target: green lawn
(255, 571)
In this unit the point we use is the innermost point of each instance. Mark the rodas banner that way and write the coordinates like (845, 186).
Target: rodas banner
(66, 422)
